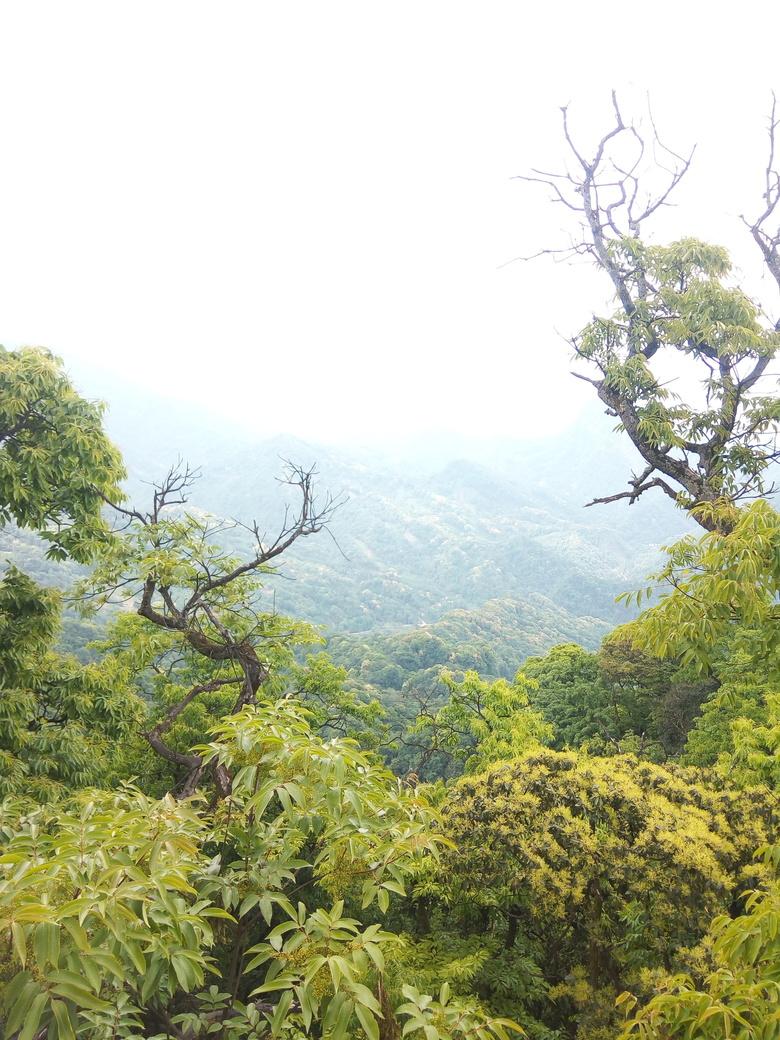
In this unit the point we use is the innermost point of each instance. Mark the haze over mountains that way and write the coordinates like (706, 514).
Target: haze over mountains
(428, 526)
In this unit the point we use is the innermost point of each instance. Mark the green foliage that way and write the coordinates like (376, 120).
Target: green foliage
(29, 617)
(714, 584)
(99, 912)
(56, 463)
(675, 303)
(491, 640)
(174, 550)
(197, 639)
(482, 722)
(477, 967)
(445, 1017)
(336, 708)
(755, 758)
(402, 670)
(741, 694)
(565, 686)
(115, 908)
(602, 871)
(61, 723)
(738, 997)
(677, 297)
(617, 700)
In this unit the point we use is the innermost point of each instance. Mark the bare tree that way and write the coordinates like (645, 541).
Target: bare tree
(177, 580)
(677, 297)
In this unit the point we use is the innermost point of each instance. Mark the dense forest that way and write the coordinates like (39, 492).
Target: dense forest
(396, 763)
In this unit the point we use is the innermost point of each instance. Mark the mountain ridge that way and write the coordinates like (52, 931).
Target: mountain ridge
(422, 531)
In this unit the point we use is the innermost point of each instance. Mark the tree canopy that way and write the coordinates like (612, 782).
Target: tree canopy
(133, 916)
(56, 464)
(602, 871)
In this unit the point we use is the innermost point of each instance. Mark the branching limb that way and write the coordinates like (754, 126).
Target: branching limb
(674, 297)
(310, 519)
(192, 763)
(637, 489)
(765, 229)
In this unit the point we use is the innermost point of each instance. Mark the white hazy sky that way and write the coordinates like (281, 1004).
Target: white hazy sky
(296, 212)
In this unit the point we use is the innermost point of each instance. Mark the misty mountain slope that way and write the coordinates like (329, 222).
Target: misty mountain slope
(426, 526)
(402, 669)
(495, 639)
(407, 547)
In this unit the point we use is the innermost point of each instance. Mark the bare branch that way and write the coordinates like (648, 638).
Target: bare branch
(768, 239)
(627, 178)
(636, 491)
(310, 519)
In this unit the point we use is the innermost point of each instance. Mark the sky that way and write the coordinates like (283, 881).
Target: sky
(298, 215)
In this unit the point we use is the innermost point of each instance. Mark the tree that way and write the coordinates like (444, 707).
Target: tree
(738, 996)
(566, 688)
(755, 758)
(482, 722)
(336, 708)
(711, 458)
(61, 722)
(655, 700)
(674, 299)
(617, 700)
(602, 872)
(56, 464)
(123, 915)
(198, 630)
(742, 694)
(721, 588)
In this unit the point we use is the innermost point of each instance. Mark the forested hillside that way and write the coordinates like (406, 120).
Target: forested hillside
(374, 753)
(423, 527)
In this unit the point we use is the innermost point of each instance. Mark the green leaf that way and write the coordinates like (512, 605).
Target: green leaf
(80, 996)
(184, 972)
(62, 1020)
(365, 997)
(21, 1006)
(368, 1022)
(280, 1013)
(77, 934)
(46, 945)
(33, 1017)
(19, 942)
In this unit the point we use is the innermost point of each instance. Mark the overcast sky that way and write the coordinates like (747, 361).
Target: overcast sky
(298, 212)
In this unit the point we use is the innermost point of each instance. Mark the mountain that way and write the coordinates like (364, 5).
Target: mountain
(428, 527)
(402, 669)
(493, 639)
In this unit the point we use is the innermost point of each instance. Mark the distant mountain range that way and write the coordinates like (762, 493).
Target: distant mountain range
(428, 527)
